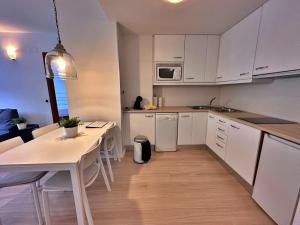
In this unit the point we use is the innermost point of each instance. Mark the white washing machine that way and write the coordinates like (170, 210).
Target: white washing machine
(166, 131)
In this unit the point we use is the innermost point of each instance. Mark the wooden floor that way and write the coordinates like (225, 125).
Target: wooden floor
(187, 187)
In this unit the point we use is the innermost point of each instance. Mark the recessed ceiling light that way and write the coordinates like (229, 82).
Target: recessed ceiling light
(174, 1)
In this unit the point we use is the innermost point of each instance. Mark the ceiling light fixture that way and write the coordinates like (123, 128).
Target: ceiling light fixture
(175, 1)
(58, 62)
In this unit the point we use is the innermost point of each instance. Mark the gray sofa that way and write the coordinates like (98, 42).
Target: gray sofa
(7, 129)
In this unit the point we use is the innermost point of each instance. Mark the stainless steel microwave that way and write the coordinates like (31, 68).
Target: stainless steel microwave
(169, 71)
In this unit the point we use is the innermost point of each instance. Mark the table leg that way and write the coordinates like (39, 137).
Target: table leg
(77, 192)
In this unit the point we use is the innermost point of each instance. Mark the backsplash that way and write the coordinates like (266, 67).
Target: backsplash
(281, 98)
(187, 95)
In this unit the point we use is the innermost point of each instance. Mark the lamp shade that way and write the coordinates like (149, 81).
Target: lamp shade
(60, 64)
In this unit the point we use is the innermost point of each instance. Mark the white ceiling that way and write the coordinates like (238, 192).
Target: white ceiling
(26, 15)
(188, 17)
(38, 15)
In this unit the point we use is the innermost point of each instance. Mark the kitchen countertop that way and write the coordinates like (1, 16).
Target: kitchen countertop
(289, 132)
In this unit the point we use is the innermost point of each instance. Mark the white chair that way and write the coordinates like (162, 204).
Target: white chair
(20, 178)
(89, 167)
(108, 149)
(43, 130)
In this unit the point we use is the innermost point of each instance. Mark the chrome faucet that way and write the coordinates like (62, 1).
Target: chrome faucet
(211, 101)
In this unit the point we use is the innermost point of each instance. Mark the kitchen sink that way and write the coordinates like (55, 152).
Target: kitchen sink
(215, 108)
(201, 107)
(225, 109)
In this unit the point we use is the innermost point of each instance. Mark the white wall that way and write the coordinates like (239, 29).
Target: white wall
(280, 98)
(93, 43)
(187, 95)
(135, 67)
(23, 84)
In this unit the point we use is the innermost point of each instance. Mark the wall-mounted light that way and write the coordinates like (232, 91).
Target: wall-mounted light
(11, 52)
(174, 1)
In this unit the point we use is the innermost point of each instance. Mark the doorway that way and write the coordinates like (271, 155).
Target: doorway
(57, 97)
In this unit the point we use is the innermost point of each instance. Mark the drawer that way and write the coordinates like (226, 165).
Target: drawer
(221, 137)
(222, 121)
(220, 149)
(222, 129)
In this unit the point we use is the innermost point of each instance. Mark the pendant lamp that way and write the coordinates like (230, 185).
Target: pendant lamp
(58, 62)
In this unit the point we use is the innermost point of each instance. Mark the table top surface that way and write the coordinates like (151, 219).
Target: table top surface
(53, 148)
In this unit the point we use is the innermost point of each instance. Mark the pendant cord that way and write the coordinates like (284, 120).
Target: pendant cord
(56, 21)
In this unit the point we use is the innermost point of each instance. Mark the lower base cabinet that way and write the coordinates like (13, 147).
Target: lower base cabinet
(235, 143)
(242, 149)
(139, 124)
(192, 128)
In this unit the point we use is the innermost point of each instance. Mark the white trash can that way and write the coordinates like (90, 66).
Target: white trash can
(138, 148)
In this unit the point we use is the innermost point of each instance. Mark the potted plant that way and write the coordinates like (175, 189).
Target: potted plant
(70, 126)
(20, 122)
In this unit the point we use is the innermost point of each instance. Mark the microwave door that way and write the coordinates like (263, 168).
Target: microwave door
(166, 74)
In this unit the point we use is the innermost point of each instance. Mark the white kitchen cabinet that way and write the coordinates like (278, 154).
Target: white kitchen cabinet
(211, 131)
(242, 149)
(140, 124)
(185, 126)
(192, 128)
(277, 182)
(195, 58)
(212, 55)
(169, 48)
(201, 58)
(237, 49)
(278, 47)
(199, 128)
(215, 133)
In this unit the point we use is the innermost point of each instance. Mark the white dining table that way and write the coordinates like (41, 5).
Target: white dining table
(53, 152)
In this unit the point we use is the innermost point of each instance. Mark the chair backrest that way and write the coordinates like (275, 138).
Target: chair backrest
(90, 165)
(109, 141)
(9, 144)
(43, 130)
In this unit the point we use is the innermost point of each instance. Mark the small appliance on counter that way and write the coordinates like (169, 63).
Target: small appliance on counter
(138, 102)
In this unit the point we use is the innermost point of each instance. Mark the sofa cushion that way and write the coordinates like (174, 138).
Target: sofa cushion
(6, 115)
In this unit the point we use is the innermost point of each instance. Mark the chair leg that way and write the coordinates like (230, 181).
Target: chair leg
(104, 176)
(37, 203)
(109, 165)
(87, 208)
(45, 198)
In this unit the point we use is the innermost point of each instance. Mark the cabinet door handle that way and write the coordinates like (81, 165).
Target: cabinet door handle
(261, 67)
(185, 116)
(235, 127)
(149, 116)
(222, 121)
(220, 137)
(219, 145)
(177, 57)
(221, 129)
(244, 74)
(190, 78)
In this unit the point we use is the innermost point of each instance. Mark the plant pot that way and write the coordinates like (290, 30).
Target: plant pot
(21, 126)
(71, 132)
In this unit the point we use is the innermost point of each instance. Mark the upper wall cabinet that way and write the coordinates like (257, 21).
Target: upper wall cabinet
(195, 58)
(279, 41)
(212, 55)
(237, 49)
(169, 48)
(201, 58)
